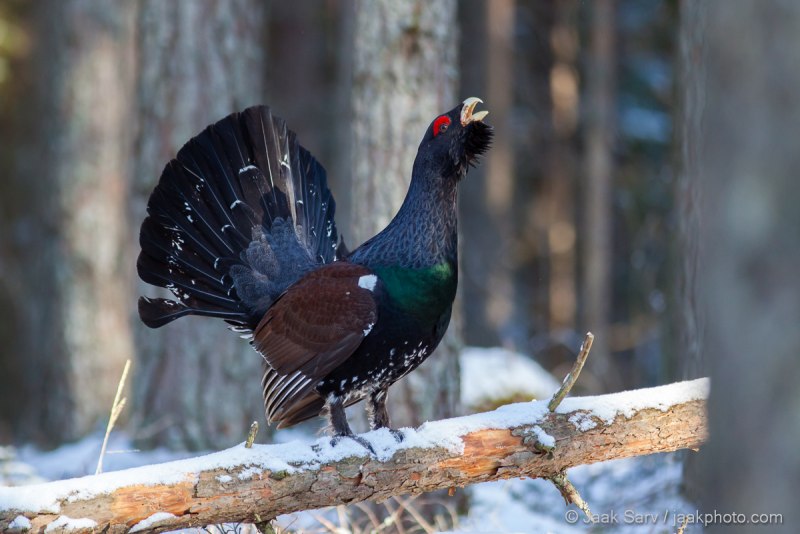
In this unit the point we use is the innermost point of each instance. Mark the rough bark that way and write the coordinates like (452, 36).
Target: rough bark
(405, 73)
(243, 491)
(198, 61)
(750, 258)
(67, 268)
(694, 18)
(687, 316)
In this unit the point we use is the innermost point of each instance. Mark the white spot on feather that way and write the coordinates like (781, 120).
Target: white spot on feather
(368, 282)
(368, 329)
(248, 168)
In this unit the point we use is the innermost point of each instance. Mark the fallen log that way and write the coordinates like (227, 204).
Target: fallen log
(259, 483)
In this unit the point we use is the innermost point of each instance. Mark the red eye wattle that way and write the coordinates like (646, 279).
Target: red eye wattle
(440, 125)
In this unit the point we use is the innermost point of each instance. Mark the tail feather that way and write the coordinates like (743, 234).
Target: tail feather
(158, 312)
(240, 213)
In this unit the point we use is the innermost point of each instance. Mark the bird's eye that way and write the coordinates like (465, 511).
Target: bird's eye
(440, 125)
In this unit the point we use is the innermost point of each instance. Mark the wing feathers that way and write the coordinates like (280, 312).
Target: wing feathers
(312, 329)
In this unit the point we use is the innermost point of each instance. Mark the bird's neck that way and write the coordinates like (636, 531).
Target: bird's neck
(424, 233)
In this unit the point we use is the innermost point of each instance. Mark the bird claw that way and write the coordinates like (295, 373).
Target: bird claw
(397, 434)
(358, 439)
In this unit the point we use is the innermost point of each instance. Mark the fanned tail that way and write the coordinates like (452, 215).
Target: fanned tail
(239, 215)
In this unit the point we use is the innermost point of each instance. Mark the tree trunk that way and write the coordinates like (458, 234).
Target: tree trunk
(747, 172)
(258, 484)
(498, 185)
(693, 81)
(198, 61)
(311, 46)
(686, 316)
(71, 272)
(405, 73)
(597, 198)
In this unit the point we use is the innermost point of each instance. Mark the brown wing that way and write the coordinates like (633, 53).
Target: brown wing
(310, 330)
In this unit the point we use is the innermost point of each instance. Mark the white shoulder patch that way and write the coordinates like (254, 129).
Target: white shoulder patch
(368, 282)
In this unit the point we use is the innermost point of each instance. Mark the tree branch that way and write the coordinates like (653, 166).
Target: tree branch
(568, 491)
(260, 483)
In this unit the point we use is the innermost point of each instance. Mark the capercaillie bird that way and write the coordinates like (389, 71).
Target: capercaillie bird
(241, 227)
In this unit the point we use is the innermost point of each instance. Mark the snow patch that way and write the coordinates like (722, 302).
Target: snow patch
(224, 479)
(20, 523)
(543, 437)
(67, 523)
(250, 472)
(151, 521)
(627, 403)
(582, 421)
(513, 373)
(39, 498)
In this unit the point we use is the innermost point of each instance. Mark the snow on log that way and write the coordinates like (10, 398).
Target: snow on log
(260, 483)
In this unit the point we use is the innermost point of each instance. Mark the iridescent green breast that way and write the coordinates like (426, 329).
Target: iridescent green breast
(425, 293)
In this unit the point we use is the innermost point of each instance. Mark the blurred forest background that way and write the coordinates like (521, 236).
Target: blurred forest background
(643, 185)
(567, 226)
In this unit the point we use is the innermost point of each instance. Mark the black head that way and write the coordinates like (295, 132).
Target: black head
(455, 140)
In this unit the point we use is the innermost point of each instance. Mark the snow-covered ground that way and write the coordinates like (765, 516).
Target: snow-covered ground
(634, 495)
(638, 495)
(513, 374)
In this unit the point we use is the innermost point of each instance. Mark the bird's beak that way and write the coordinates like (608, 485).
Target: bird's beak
(466, 111)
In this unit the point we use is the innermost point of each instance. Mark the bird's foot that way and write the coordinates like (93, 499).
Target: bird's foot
(398, 434)
(358, 439)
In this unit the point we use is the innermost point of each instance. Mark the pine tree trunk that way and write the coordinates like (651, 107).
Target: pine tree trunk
(551, 212)
(71, 270)
(687, 317)
(747, 166)
(196, 382)
(498, 185)
(693, 65)
(597, 199)
(405, 73)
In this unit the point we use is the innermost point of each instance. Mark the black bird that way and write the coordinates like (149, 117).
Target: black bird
(241, 227)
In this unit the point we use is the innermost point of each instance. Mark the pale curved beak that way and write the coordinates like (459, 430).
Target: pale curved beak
(467, 115)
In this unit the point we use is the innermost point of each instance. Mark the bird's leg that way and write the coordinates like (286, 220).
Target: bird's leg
(378, 414)
(341, 428)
